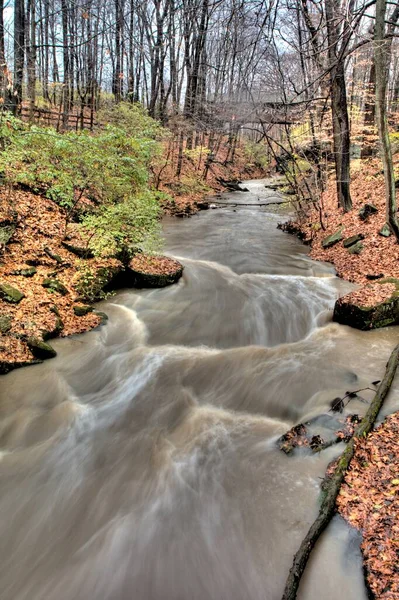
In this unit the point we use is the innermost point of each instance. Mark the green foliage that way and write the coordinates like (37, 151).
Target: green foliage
(191, 184)
(394, 139)
(133, 222)
(133, 119)
(109, 169)
(257, 154)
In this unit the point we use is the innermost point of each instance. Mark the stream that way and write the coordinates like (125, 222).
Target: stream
(141, 463)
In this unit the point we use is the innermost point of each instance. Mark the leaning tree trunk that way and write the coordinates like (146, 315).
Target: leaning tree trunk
(382, 51)
(331, 485)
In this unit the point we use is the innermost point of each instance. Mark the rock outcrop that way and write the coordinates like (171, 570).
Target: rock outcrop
(364, 315)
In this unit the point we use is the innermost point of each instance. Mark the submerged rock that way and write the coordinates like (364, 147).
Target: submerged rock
(333, 239)
(349, 311)
(10, 294)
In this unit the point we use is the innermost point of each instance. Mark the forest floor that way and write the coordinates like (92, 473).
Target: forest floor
(369, 497)
(380, 255)
(35, 253)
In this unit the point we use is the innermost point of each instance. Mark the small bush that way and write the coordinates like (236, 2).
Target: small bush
(109, 169)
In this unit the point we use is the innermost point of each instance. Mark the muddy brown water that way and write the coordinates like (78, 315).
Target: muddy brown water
(140, 464)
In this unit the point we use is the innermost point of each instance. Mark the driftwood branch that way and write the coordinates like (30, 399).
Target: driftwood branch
(331, 485)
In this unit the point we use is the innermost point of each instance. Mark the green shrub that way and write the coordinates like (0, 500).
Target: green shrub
(257, 154)
(109, 168)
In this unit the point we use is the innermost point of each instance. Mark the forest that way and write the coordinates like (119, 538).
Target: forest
(156, 144)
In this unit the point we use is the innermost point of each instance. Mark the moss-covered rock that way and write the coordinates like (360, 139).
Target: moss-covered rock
(356, 248)
(26, 272)
(351, 241)
(103, 316)
(333, 239)
(382, 314)
(94, 282)
(7, 367)
(82, 310)
(55, 286)
(80, 251)
(40, 349)
(55, 331)
(8, 293)
(152, 272)
(367, 210)
(385, 231)
(5, 323)
(6, 233)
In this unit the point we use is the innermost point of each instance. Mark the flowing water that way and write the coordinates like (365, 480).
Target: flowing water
(141, 463)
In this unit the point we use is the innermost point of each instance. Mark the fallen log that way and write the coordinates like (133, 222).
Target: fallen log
(332, 484)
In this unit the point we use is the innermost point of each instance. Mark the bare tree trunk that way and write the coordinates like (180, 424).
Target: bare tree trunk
(382, 51)
(19, 54)
(339, 108)
(31, 56)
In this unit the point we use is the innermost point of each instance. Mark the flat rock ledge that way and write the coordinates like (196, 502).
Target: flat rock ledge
(151, 272)
(365, 314)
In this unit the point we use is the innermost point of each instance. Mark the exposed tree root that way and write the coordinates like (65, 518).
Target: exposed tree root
(331, 484)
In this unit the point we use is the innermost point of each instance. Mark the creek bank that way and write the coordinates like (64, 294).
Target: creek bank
(47, 288)
(358, 243)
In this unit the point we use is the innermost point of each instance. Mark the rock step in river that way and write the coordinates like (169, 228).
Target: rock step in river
(141, 462)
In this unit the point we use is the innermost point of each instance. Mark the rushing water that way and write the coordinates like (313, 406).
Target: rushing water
(141, 463)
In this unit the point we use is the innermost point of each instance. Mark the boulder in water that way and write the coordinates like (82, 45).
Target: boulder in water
(371, 307)
(40, 349)
(152, 271)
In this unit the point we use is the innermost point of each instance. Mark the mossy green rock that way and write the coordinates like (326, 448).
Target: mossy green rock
(81, 311)
(385, 231)
(356, 248)
(55, 286)
(28, 272)
(6, 367)
(382, 314)
(8, 293)
(93, 283)
(40, 349)
(55, 332)
(351, 241)
(103, 316)
(333, 239)
(6, 233)
(5, 323)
